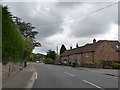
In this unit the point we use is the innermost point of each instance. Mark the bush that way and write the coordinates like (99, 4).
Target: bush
(115, 65)
(90, 63)
(97, 62)
(108, 67)
(48, 61)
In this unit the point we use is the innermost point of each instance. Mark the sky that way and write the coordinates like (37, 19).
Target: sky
(68, 23)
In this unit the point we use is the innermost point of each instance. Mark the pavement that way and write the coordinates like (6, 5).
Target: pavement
(23, 79)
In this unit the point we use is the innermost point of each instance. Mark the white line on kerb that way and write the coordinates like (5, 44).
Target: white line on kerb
(93, 84)
(69, 74)
(36, 75)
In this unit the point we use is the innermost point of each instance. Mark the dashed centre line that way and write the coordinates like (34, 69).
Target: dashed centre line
(69, 74)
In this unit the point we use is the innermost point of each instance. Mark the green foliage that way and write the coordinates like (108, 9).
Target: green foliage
(13, 42)
(37, 57)
(49, 61)
(108, 67)
(0, 33)
(51, 54)
(97, 62)
(28, 49)
(92, 63)
(115, 65)
(43, 59)
(26, 30)
(18, 39)
(62, 49)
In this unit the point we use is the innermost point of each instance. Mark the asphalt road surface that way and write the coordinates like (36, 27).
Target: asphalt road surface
(53, 76)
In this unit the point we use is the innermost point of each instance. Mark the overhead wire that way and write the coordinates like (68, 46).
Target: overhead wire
(61, 21)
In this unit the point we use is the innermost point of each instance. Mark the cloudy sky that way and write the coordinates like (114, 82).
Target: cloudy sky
(68, 23)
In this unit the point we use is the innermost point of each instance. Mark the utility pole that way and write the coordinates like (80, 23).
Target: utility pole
(57, 49)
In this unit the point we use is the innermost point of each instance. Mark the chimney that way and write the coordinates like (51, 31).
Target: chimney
(77, 45)
(94, 40)
(70, 47)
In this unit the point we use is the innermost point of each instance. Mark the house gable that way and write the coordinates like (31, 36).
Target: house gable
(105, 52)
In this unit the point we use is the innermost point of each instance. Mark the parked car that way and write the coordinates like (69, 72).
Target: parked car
(37, 61)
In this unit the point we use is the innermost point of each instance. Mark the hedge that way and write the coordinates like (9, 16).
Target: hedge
(13, 43)
(115, 65)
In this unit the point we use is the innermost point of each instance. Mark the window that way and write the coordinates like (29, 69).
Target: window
(86, 56)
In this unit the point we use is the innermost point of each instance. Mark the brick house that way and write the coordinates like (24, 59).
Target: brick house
(102, 50)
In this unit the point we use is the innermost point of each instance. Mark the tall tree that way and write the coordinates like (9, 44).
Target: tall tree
(51, 54)
(62, 49)
(26, 30)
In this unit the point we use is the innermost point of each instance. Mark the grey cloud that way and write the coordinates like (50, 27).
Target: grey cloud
(45, 13)
(68, 4)
(95, 24)
(24, 10)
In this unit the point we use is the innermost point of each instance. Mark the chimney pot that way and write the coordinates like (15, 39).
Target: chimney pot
(77, 45)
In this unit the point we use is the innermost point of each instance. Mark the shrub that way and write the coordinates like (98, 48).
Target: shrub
(97, 62)
(115, 65)
(108, 67)
(48, 61)
(90, 63)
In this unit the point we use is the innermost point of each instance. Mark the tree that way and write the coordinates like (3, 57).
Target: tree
(51, 54)
(26, 30)
(28, 50)
(62, 49)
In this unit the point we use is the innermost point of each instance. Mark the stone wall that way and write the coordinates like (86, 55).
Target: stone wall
(10, 69)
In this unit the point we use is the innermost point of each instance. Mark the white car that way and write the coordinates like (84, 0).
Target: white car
(37, 61)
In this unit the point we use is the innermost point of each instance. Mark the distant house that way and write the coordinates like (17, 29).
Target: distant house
(103, 50)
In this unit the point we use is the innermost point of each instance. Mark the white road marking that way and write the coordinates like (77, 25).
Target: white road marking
(93, 84)
(36, 75)
(69, 74)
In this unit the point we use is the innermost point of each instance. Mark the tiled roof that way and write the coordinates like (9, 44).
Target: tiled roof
(91, 47)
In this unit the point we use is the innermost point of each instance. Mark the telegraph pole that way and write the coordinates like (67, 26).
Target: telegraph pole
(57, 49)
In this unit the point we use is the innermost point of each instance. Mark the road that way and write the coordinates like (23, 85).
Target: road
(53, 76)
